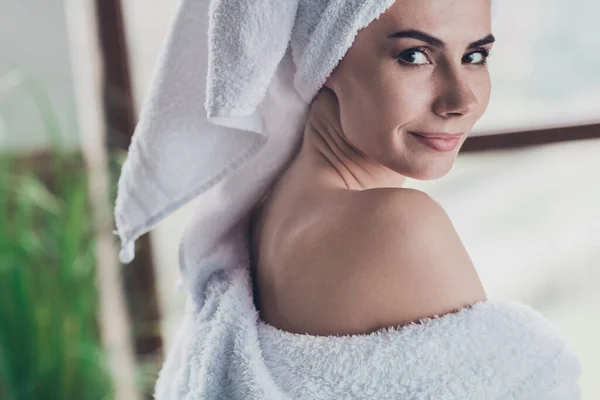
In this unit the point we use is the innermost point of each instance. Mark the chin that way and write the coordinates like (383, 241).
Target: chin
(432, 170)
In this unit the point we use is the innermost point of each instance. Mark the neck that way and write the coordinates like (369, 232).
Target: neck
(327, 157)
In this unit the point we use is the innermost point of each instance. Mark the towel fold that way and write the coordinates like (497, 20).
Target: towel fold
(254, 65)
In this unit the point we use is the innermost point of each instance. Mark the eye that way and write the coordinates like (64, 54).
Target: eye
(415, 56)
(478, 57)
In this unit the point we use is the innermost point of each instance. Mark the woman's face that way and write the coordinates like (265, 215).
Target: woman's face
(431, 78)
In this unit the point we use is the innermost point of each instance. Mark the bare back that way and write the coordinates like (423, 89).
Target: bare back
(326, 267)
(280, 235)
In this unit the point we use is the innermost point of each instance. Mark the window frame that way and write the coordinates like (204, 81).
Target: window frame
(525, 138)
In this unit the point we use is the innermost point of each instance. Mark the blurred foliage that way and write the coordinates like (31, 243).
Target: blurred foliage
(49, 340)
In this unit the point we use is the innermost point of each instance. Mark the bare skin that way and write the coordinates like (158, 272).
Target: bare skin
(357, 133)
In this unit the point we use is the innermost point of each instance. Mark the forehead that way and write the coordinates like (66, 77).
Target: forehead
(447, 19)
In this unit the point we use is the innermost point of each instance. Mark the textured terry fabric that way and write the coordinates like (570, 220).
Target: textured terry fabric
(493, 350)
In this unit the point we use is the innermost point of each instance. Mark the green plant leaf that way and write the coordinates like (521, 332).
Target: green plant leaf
(49, 342)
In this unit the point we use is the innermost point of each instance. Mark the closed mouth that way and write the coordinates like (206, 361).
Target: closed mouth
(448, 137)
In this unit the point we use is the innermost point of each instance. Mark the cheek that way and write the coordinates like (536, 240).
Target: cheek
(394, 101)
(404, 95)
(407, 100)
(485, 91)
(376, 109)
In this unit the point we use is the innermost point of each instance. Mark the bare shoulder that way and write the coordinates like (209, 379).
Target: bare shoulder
(393, 257)
(406, 230)
(410, 261)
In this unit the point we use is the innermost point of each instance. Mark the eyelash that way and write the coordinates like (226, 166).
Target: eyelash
(425, 50)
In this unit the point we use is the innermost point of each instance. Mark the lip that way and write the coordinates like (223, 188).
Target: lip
(439, 135)
(442, 145)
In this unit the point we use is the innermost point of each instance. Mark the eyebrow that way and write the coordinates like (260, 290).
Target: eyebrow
(415, 34)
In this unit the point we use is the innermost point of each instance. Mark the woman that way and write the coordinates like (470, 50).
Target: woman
(362, 288)
(339, 246)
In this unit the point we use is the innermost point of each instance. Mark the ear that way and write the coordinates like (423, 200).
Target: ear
(330, 82)
(324, 88)
(325, 106)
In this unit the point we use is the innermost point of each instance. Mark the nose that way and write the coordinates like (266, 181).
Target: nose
(456, 98)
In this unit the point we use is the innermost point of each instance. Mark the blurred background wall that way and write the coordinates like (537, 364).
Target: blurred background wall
(33, 40)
